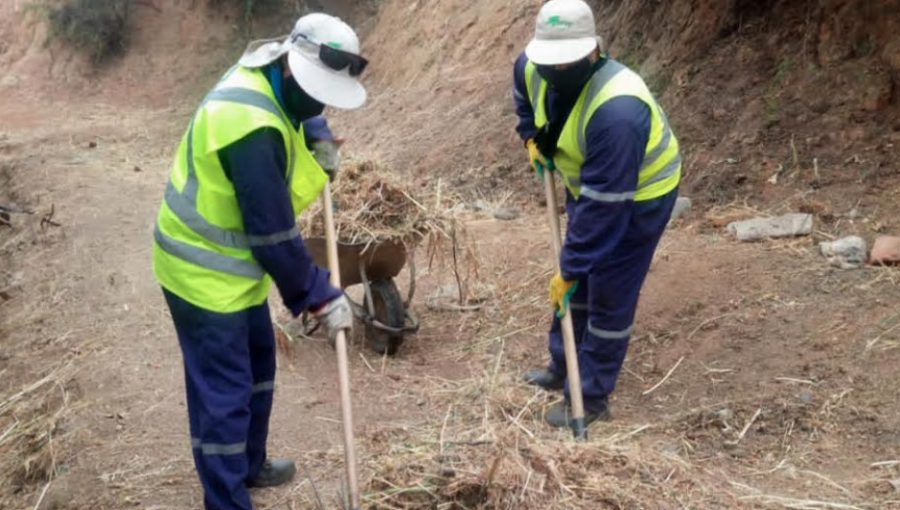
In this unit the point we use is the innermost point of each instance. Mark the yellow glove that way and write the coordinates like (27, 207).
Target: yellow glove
(538, 161)
(560, 292)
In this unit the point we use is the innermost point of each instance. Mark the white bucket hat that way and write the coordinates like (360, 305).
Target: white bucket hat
(564, 33)
(325, 84)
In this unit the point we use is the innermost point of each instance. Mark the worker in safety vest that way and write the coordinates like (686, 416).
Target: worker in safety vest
(594, 121)
(227, 228)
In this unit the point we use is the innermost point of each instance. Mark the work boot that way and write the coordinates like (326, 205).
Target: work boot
(546, 379)
(274, 472)
(560, 414)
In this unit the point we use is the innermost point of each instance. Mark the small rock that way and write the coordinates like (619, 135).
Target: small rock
(806, 397)
(724, 414)
(853, 214)
(789, 225)
(92, 145)
(682, 206)
(137, 169)
(479, 206)
(885, 251)
(847, 253)
(506, 214)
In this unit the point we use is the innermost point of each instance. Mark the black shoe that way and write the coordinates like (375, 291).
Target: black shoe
(546, 379)
(560, 414)
(274, 472)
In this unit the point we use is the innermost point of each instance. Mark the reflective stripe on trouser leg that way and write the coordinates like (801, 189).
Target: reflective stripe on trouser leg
(218, 377)
(613, 290)
(262, 362)
(578, 305)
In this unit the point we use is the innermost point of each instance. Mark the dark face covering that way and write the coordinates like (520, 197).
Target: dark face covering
(569, 81)
(298, 103)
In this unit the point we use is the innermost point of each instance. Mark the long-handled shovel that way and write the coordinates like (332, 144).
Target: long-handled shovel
(578, 427)
(341, 348)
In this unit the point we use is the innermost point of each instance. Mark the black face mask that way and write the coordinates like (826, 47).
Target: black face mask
(568, 81)
(298, 103)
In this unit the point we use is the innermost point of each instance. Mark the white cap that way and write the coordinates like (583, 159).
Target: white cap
(564, 33)
(324, 84)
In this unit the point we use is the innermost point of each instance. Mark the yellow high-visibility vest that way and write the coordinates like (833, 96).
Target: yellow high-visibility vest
(200, 251)
(660, 172)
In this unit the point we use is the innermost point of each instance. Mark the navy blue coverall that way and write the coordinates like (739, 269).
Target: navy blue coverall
(608, 245)
(229, 358)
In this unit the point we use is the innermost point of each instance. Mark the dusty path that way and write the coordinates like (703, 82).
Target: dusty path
(86, 290)
(761, 327)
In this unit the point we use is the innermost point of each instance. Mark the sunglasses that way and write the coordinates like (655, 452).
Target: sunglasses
(336, 59)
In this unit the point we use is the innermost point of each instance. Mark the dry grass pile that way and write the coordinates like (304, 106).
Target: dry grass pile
(488, 448)
(372, 203)
(30, 421)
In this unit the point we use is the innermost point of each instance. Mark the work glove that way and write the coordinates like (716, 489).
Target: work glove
(335, 315)
(327, 155)
(561, 291)
(539, 162)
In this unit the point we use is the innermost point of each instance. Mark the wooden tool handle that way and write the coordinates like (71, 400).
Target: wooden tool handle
(343, 363)
(568, 330)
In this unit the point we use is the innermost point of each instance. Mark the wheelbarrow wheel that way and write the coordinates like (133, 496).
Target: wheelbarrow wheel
(389, 310)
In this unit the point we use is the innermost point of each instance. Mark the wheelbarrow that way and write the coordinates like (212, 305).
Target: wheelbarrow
(386, 316)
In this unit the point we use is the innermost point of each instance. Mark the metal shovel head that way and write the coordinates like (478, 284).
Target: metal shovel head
(382, 260)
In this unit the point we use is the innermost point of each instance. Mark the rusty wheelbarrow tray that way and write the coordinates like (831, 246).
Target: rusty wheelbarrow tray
(387, 317)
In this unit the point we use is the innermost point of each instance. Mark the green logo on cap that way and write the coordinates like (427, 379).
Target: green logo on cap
(556, 21)
(333, 44)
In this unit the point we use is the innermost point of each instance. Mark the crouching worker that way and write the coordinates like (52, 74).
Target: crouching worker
(596, 122)
(227, 228)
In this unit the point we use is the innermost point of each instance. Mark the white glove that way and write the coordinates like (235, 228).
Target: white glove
(336, 316)
(326, 154)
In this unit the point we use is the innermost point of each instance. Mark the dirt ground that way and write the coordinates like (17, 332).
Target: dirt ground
(758, 376)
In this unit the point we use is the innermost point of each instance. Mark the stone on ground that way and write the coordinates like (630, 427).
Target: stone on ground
(846, 253)
(789, 225)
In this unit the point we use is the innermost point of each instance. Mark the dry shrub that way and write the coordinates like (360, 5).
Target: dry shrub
(99, 27)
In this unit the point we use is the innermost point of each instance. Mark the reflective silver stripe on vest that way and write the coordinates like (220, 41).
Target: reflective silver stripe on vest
(607, 334)
(195, 442)
(600, 79)
(245, 96)
(207, 258)
(188, 214)
(190, 184)
(666, 171)
(656, 152)
(606, 197)
(578, 306)
(263, 386)
(535, 89)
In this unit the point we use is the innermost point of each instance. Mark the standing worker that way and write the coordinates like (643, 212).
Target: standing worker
(596, 122)
(227, 229)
